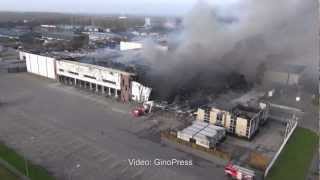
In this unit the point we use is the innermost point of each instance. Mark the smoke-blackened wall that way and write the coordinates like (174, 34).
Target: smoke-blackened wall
(222, 44)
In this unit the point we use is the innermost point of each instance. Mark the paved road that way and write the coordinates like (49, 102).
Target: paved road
(59, 128)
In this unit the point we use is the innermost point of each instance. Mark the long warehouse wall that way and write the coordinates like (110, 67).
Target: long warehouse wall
(117, 81)
(94, 74)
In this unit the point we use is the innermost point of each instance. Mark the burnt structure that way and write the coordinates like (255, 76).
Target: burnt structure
(239, 120)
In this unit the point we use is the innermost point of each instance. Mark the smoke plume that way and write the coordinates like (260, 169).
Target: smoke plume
(222, 44)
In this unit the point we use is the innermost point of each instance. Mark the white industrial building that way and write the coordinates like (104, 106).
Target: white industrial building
(100, 78)
(147, 22)
(101, 36)
(284, 74)
(104, 80)
(124, 46)
(203, 134)
(92, 29)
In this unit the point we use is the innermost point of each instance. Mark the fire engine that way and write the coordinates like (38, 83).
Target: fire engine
(239, 173)
(146, 108)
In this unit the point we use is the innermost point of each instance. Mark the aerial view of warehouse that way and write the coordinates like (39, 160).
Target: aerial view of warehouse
(218, 126)
(118, 83)
(226, 91)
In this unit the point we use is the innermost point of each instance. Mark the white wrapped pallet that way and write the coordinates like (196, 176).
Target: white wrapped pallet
(204, 134)
(207, 138)
(186, 134)
(202, 140)
(221, 132)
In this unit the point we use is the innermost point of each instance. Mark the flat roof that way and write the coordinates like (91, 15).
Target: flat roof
(287, 68)
(98, 67)
(246, 112)
(83, 60)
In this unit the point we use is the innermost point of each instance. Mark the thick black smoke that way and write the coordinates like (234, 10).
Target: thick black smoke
(221, 46)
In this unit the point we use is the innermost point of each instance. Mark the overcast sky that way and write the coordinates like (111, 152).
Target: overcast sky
(103, 6)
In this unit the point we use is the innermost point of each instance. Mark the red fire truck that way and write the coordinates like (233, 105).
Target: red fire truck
(145, 108)
(239, 173)
(139, 111)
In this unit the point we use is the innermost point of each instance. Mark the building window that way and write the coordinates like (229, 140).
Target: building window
(192, 140)
(74, 73)
(111, 73)
(107, 81)
(61, 70)
(91, 77)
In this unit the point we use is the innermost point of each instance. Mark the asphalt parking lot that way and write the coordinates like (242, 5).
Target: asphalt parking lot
(266, 142)
(76, 135)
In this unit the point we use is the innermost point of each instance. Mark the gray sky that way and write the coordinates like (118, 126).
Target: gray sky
(104, 6)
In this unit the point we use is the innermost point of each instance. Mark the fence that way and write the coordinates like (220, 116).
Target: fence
(13, 169)
(280, 149)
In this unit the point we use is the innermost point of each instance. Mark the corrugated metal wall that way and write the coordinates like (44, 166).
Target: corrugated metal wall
(40, 65)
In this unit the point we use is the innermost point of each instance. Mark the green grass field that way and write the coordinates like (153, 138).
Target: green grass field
(17, 161)
(295, 160)
(6, 174)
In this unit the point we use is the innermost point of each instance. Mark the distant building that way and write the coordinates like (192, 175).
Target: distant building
(14, 33)
(102, 36)
(59, 35)
(123, 17)
(147, 22)
(108, 30)
(93, 29)
(68, 27)
(171, 23)
(130, 46)
(284, 74)
(47, 27)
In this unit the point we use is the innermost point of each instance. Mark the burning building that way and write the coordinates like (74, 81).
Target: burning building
(284, 74)
(216, 52)
(240, 120)
(213, 55)
(105, 80)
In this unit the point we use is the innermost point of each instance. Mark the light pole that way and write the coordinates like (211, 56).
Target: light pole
(72, 170)
(26, 161)
(26, 167)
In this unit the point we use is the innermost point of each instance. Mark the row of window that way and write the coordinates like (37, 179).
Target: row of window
(107, 81)
(90, 77)
(74, 73)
